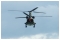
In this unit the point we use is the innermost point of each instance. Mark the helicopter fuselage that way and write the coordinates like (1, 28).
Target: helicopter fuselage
(30, 20)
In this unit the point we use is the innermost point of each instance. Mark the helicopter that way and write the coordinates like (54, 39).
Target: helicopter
(29, 17)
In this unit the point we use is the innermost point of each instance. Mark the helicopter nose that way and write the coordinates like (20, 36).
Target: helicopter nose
(30, 19)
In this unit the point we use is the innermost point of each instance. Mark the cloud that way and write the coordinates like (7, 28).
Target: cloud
(41, 36)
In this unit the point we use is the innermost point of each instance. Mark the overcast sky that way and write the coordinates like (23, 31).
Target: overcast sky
(46, 27)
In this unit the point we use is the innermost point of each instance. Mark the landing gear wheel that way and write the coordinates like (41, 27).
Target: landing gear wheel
(26, 26)
(34, 26)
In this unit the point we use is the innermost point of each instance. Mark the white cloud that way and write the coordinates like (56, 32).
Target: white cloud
(41, 36)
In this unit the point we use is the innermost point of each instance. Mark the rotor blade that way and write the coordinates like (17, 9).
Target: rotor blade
(18, 10)
(13, 10)
(25, 14)
(34, 9)
(43, 16)
(40, 12)
(20, 17)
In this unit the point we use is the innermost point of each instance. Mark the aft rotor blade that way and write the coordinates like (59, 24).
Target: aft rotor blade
(16, 10)
(19, 10)
(34, 9)
(13, 10)
(40, 12)
(43, 16)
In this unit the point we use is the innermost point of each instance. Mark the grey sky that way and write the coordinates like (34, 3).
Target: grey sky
(15, 28)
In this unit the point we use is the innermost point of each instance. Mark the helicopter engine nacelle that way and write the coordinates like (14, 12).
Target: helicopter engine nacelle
(33, 17)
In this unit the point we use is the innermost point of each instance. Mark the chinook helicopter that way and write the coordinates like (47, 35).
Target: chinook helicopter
(29, 17)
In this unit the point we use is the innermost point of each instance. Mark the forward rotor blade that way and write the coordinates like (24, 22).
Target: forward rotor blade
(34, 9)
(20, 17)
(25, 14)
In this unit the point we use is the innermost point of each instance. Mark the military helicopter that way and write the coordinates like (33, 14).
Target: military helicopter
(29, 17)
